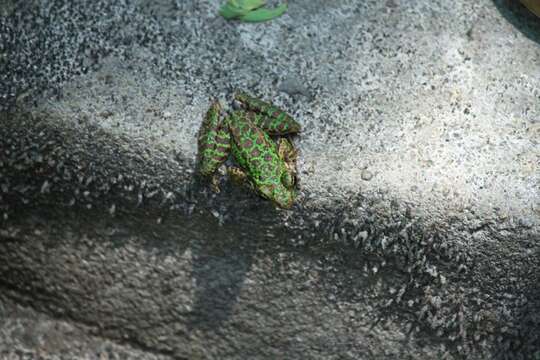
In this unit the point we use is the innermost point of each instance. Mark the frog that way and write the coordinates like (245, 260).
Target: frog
(266, 166)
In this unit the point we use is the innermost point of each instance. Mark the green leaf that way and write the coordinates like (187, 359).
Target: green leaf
(250, 4)
(229, 11)
(233, 9)
(264, 14)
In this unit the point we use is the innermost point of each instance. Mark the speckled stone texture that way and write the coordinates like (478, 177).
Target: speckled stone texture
(416, 234)
(25, 334)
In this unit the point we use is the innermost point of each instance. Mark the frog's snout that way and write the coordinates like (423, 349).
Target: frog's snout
(284, 199)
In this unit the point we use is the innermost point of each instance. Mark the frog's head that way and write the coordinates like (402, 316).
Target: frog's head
(279, 195)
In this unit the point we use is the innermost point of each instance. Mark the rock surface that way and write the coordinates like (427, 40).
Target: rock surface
(25, 334)
(417, 230)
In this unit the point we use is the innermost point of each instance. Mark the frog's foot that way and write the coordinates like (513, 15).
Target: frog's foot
(214, 184)
(237, 175)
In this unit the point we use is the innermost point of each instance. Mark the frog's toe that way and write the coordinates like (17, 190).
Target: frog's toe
(237, 175)
(214, 184)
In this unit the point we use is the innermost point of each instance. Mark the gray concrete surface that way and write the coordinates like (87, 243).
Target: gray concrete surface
(416, 234)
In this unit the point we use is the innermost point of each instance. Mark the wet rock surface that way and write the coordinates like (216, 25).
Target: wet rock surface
(417, 229)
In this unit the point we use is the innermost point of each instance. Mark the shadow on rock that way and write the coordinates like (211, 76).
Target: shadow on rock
(520, 17)
(522, 340)
(218, 274)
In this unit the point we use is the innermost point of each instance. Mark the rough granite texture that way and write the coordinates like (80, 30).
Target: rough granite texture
(417, 231)
(25, 334)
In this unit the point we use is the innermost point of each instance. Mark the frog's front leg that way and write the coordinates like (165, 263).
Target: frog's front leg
(287, 151)
(237, 175)
(214, 144)
(240, 177)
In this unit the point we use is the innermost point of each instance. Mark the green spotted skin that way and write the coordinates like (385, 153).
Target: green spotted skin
(258, 156)
(268, 167)
(268, 117)
(213, 142)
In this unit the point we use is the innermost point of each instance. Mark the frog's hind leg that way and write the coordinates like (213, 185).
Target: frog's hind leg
(214, 143)
(267, 116)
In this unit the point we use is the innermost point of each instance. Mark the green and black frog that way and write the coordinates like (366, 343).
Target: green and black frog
(267, 166)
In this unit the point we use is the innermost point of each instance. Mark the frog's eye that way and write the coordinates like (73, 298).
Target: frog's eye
(287, 179)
